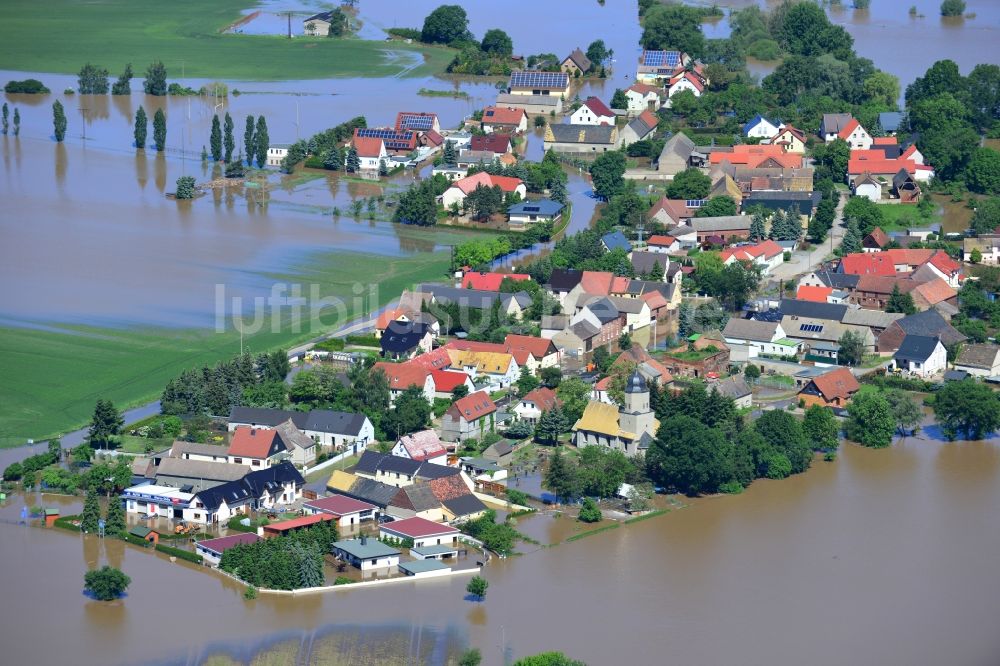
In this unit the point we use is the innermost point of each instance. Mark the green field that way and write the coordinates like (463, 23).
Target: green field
(51, 379)
(62, 35)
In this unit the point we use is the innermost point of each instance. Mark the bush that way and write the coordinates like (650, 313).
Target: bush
(731, 488)
(330, 344)
(517, 497)
(405, 33)
(342, 580)
(106, 583)
(250, 593)
(66, 523)
(181, 554)
(134, 540)
(539, 121)
(590, 512)
(185, 187)
(477, 587)
(26, 87)
(362, 340)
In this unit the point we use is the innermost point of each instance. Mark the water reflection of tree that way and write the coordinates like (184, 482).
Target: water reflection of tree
(141, 168)
(123, 104)
(411, 242)
(62, 162)
(359, 190)
(160, 172)
(98, 107)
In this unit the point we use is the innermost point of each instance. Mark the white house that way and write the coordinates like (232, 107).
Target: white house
(663, 244)
(867, 186)
(760, 127)
(276, 153)
(154, 500)
(856, 136)
(498, 369)
(349, 511)
(366, 554)
(423, 532)
(371, 151)
(768, 255)
(533, 404)
(979, 360)
(592, 112)
(211, 550)
(921, 355)
(684, 81)
(325, 427)
(643, 97)
(423, 446)
(749, 338)
(403, 375)
(465, 186)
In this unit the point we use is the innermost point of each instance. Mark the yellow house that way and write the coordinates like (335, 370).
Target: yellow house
(794, 140)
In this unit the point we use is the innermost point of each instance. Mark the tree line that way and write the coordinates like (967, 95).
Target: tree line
(287, 562)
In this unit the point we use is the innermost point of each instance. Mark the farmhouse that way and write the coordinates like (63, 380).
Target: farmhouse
(581, 138)
(593, 112)
(539, 83)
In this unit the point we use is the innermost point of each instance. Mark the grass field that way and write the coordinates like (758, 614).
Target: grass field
(52, 378)
(65, 34)
(900, 216)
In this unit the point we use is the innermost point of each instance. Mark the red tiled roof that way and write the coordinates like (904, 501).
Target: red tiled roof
(367, 146)
(432, 360)
(884, 284)
(661, 241)
(933, 292)
(544, 398)
(790, 129)
(655, 300)
(448, 487)
(339, 505)
(472, 345)
(598, 107)
(743, 153)
(858, 165)
(423, 445)
(403, 375)
(604, 384)
(694, 80)
(839, 383)
(295, 523)
(944, 263)
(433, 138)
(846, 130)
(445, 381)
(537, 347)
(784, 161)
(596, 282)
(879, 237)
(867, 263)
(649, 118)
(387, 317)
(473, 407)
(501, 115)
(619, 285)
(910, 257)
(645, 89)
(505, 183)
(222, 544)
(675, 208)
(494, 143)
(418, 527)
(252, 442)
(490, 281)
(884, 141)
(767, 249)
(814, 294)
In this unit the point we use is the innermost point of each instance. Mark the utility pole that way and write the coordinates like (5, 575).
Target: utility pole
(83, 114)
(289, 14)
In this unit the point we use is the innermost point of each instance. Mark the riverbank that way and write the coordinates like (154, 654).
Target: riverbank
(187, 35)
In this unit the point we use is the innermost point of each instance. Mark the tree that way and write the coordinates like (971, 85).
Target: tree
(497, 42)
(751, 372)
(900, 302)
(228, 141)
(352, 163)
(527, 382)
(821, 429)
(156, 79)
(832, 159)
(477, 587)
(673, 27)
(159, 130)
(185, 188)
(471, 657)
(717, 207)
(548, 658)
(947, 135)
(983, 173)
(984, 91)
(215, 140)
(105, 424)
(689, 184)
(6, 115)
(106, 583)
(248, 140)
(869, 419)
(619, 100)
(967, 408)
(952, 7)
(140, 128)
(91, 515)
(689, 456)
(905, 410)
(551, 424)
(882, 87)
(562, 476)
(123, 86)
(411, 412)
(608, 174)
(783, 432)
(558, 191)
(865, 212)
(444, 25)
(597, 53)
(941, 77)
(987, 216)
(58, 121)
(852, 238)
(448, 156)
(114, 519)
(261, 142)
(975, 256)
(852, 348)
(590, 512)
(757, 229)
(92, 80)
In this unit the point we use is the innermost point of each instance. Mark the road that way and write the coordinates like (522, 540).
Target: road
(805, 262)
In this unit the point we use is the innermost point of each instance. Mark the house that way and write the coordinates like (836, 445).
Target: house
(198, 451)
(286, 527)
(490, 281)
(645, 263)
(422, 446)
(405, 339)
(651, 370)
(726, 186)
(276, 153)
(829, 279)
(832, 124)
(469, 417)
(979, 360)
(482, 470)
(890, 122)
(804, 202)
(706, 356)
(562, 281)
(630, 429)
(402, 376)
(532, 352)
(422, 532)
(768, 255)
(496, 143)
(581, 138)
(325, 427)
(498, 369)
(500, 453)
(736, 389)
(662, 244)
(905, 188)
(643, 97)
(256, 447)
(678, 153)
(640, 128)
(874, 291)
(577, 61)
(929, 323)
(637, 312)
(534, 403)
(856, 136)
(657, 66)
(415, 500)
(397, 141)
(539, 83)
(524, 213)
(867, 186)
(592, 112)
(263, 489)
(366, 554)
(988, 246)
(673, 212)
(418, 121)
(507, 120)
(394, 471)
(371, 152)
(301, 446)
(814, 294)
(601, 323)
(934, 292)
(155, 500)
(464, 187)
(457, 501)
(318, 25)
(878, 167)
(921, 355)
(512, 305)
(446, 381)
(541, 104)
(831, 389)
(726, 227)
(615, 240)
(347, 511)
(876, 241)
(211, 550)
(760, 127)
(749, 338)
(792, 139)
(199, 474)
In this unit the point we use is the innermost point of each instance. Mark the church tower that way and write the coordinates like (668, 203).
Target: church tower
(636, 417)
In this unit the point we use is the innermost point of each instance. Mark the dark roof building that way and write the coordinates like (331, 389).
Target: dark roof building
(615, 240)
(402, 338)
(812, 310)
(916, 348)
(318, 420)
(929, 323)
(564, 279)
(804, 202)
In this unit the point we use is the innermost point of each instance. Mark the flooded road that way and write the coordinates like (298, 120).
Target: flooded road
(883, 557)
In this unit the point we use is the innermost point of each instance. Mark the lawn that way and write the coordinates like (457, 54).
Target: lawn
(897, 217)
(53, 377)
(61, 36)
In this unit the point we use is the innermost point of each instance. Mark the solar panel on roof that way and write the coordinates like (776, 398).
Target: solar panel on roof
(661, 58)
(811, 328)
(415, 122)
(522, 79)
(694, 203)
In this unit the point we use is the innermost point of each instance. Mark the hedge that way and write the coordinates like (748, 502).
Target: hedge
(65, 523)
(134, 540)
(182, 554)
(362, 340)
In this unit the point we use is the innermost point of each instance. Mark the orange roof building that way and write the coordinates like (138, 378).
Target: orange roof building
(814, 294)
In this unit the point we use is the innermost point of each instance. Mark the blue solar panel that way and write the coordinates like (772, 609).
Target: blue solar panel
(661, 58)
(694, 203)
(811, 328)
(539, 79)
(419, 122)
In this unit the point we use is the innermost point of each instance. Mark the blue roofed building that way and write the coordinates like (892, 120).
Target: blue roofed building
(615, 240)
(890, 121)
(760, 127)
(530, 212)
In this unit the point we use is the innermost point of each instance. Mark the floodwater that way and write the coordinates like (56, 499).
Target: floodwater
(882, 557)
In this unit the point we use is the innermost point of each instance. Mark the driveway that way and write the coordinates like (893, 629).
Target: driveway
(806, 261)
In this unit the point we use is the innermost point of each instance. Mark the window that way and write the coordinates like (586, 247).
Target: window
(237, 461)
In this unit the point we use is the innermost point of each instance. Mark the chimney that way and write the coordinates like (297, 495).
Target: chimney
(364, 540)
(253, 432)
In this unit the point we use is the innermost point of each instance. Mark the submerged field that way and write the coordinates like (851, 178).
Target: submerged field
(52, 377)
(64, 35)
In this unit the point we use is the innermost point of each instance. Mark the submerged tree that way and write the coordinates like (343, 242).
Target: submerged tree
(227, 139)
(140, 128)
(17, 122)
(215, 139)
(123, 86)
(92, 80)
(185, 188)
(248, 140)
(6, 115)
(106, 583)
(261, 142)
(156, 79)
(59, 121)
(160, 130)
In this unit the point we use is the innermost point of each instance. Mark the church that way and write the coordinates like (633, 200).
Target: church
(630, 429)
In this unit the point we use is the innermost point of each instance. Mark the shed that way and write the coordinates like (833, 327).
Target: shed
(426, 568)
(146, 534)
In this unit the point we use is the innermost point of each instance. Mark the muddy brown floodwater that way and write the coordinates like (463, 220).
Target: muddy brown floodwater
(882, 557)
